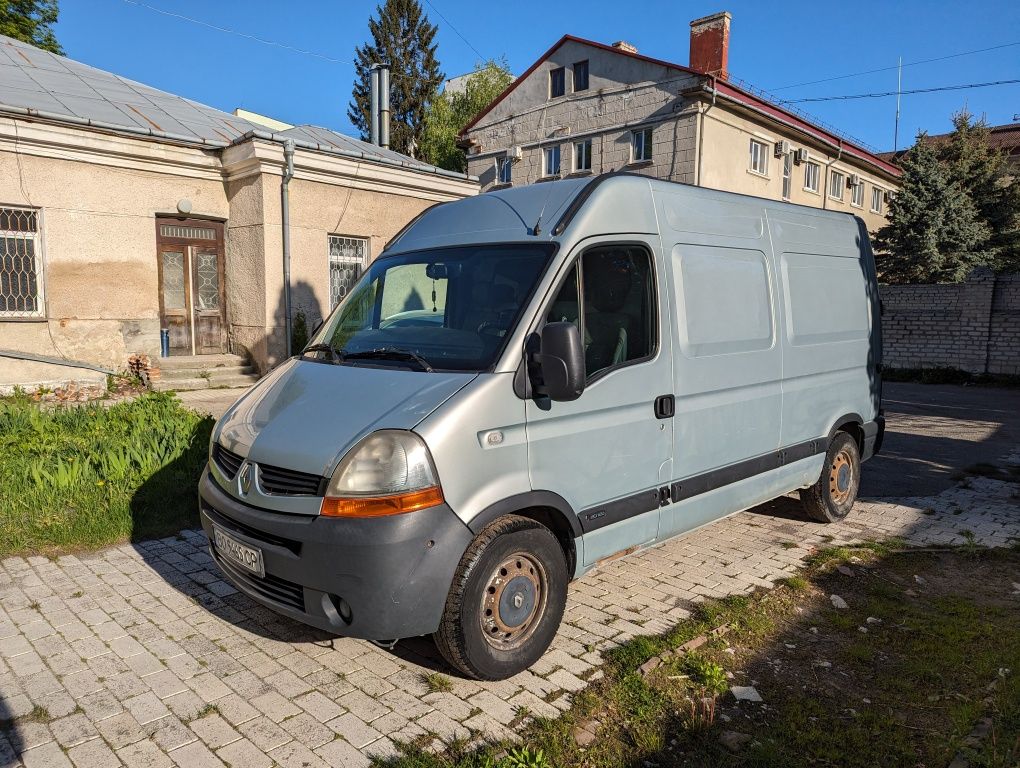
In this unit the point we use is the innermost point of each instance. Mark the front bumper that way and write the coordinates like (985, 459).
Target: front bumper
(393, 573)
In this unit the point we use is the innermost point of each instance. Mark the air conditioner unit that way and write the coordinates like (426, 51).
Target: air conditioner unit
(853, 180)
(514, 153)
(800, 156)
(782, 148)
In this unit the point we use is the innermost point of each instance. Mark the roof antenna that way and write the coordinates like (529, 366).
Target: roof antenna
(537, 229)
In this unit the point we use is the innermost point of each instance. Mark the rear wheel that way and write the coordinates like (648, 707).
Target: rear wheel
(506, 600)
(833, 496)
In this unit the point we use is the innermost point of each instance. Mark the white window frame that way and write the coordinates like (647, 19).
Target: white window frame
(787, 175)
(37, 253)
(857, 195)
(641, 145)
(504, 163)
(877, 199)
(833, 175)
(582, 151)
(809, 177)
(336, 256)
(758, 157)
(547, 165)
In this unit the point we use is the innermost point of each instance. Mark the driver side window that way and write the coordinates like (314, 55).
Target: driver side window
(609, 295)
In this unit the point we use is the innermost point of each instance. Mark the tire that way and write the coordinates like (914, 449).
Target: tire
(831, 498)
(506, 600)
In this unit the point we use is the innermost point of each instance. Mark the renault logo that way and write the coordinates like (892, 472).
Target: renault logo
(244, 479)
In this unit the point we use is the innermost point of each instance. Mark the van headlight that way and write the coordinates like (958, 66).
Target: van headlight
(390, 472)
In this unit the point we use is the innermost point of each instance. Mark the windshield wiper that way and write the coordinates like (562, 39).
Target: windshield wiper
(336, 356)
(391, 353)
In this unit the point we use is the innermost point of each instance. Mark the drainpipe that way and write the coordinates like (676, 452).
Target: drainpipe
(828, 170)
(701, 133)
(288, 174)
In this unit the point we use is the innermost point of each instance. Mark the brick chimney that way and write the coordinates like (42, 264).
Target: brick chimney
(623, 45)
(710, 44)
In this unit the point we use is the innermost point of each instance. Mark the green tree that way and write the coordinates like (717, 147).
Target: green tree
(402, 37)
(30, 21)
(450, 112)
(935, 233)
(982, 172)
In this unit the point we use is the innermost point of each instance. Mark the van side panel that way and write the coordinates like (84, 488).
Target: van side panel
(727, 368)
(827, 321)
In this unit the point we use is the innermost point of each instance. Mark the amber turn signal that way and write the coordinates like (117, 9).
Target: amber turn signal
(380, 506)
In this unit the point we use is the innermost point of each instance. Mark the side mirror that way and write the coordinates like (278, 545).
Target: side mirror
(561, 359)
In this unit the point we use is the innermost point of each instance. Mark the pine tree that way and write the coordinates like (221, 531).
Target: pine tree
(449, 113)
(982, 172)
(30, 21)
(935, 233)
(402, 37)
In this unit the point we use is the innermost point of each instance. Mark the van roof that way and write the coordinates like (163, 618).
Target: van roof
(544, 211)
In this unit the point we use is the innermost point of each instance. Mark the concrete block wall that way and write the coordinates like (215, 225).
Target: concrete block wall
(973, 326)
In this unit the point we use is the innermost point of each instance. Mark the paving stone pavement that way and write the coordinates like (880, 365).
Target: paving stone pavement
(141, 655)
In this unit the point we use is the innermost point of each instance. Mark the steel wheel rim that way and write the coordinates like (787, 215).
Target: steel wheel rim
(513, 601)
(841, 477)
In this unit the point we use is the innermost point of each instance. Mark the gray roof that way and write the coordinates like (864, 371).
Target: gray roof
(52, 87)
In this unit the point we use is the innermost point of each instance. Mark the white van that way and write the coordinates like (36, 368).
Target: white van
(531, 381)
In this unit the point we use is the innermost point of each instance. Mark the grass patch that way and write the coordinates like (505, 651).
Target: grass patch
(81, 477)
(898, 678)
(437, 683)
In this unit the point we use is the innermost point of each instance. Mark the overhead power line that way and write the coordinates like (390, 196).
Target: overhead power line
(245, 35)
(893, 93)
(450, 25)
(894, 66)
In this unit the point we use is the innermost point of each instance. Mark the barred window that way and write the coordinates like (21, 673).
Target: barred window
(21, 277)
(347, 259)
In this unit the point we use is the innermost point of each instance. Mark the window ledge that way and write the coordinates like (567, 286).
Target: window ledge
(553, 177)
(639, 163)
(759, 174)
(811, 191)
(495, 187)
(16, 319)
(576, 174)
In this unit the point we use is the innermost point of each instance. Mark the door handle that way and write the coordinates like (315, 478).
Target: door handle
(665, 406)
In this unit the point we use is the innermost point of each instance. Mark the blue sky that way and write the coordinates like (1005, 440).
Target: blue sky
(772, 45)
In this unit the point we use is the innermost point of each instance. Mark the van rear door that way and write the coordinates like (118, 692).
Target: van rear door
(609, 452)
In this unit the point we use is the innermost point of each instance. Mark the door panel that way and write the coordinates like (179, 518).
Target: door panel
(175, 297)
(606, 453)
(210, 334)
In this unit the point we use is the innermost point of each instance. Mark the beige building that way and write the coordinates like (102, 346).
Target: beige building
(124, 210)
(588, 108)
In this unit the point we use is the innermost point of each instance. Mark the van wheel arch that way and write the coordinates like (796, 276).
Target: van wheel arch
(853, 425)
(546, 508)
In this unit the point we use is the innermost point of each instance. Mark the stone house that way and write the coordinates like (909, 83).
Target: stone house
(588, 108)
(125, 209)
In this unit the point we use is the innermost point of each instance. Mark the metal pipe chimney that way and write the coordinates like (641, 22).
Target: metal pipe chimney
(374, 103)
(384, 105)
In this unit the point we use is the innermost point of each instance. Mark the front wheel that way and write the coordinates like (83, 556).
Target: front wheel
(506, 600)
(833, 496)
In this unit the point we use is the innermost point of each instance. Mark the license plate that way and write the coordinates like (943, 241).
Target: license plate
(240, 554)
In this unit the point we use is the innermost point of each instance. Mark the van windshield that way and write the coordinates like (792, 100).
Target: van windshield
(445, 309)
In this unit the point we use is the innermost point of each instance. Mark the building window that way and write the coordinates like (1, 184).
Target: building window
(787, 171)
(582, 155)
(504, 170)
(21, 275)
(836, 183)
(857, 194)
(581, 76)
(557, 82)
(877, 199)
(759, 159)
(811, 174)
(347, 259)
(552, 161)
(641, 145)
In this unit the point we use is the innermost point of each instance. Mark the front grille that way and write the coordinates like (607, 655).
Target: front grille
(228, 523)
(287, 482)
(228, 461)
(272, 588)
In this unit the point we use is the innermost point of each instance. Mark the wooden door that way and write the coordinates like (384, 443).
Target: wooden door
(191, 290)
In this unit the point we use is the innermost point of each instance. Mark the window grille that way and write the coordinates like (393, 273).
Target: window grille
(347, 259)
(187, 233)
(21, 275)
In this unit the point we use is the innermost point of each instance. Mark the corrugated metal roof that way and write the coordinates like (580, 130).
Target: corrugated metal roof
(61, 88)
